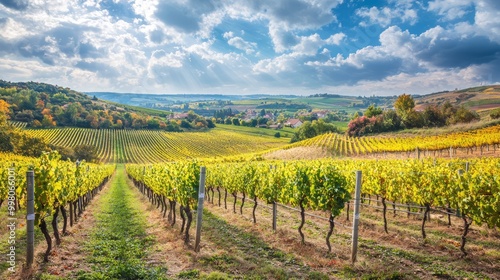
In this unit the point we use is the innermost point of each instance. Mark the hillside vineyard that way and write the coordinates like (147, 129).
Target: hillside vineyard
(143, 146)
(480, 140)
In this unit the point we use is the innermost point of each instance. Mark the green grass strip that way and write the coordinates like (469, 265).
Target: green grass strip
(118, 244)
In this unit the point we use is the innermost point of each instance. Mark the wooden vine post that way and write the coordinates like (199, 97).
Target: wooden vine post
(199, 213)
(354, 250)
(30, 223)
(275, 208)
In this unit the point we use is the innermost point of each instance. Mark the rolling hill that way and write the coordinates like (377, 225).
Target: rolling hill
(480, 99)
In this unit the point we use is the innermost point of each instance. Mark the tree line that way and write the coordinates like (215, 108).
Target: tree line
(404, 116)
(16, 141)
(45, 106)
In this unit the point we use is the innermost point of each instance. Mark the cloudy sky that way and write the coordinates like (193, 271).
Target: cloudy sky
(380, 47)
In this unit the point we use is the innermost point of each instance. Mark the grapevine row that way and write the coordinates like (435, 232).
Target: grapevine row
(17, 124)
(175, 183)
(473, 190)
(144, 146)
(57, 184)
(312, 185)
(328, 184)
(343, 145)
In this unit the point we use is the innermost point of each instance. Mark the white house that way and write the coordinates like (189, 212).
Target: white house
(293, 123)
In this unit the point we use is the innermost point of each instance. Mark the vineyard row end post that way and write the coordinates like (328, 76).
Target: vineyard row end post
(275, 206)
(30, 217)
(357, 197)
(201, 197)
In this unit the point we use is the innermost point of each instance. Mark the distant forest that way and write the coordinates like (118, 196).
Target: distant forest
(43, 105)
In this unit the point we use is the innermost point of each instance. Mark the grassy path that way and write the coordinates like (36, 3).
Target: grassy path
(119, 242)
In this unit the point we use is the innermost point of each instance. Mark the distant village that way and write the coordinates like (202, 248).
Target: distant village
(267, 119)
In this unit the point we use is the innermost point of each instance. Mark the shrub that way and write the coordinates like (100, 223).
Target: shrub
(495, 114)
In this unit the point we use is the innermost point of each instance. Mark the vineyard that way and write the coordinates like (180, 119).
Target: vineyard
(479, 141)
(468, 191)
(314, 197)
(148, 146)
(144, 146)
(471, 189)
(58, 184)
(312, 185)
(18, 124)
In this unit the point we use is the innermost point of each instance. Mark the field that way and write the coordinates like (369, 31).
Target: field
(234, 247)
(228, 141)
(285, 132)
(478, 99)
(481, 141)
(137, 146)
(336, 103)
(125, 232)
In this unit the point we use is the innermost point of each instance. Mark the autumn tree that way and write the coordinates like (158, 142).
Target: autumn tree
(40, 104)
(4, 112)
(373, 111)
(119, 124)
(36, 124)
(48, 121)
(404, 105)
(32, 146)
(86, 152)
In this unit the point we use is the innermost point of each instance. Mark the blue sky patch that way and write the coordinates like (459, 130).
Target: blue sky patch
(241, 47)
